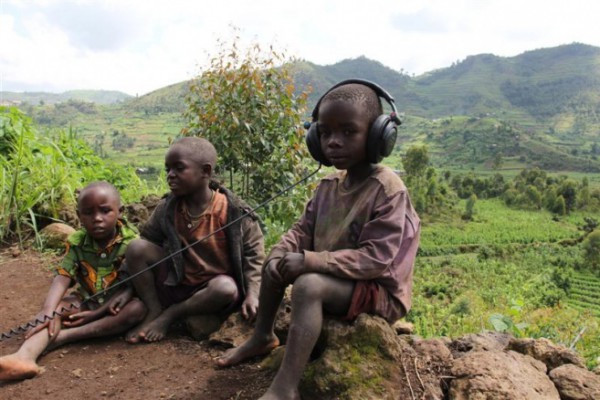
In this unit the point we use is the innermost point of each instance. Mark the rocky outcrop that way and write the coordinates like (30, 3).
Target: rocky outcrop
(139, 213)
(368, 359)
(503, 375)
(545, 351)
(575, 383)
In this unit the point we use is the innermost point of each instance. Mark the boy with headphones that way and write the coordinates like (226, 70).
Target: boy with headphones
(353, 249)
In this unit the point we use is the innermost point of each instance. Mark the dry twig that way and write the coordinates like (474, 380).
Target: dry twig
(412, 393)
(419, 376)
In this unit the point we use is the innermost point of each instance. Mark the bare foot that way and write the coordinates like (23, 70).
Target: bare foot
(272, 395)
(138, 333)
(250, 348)
(15, 368)
(157, 329)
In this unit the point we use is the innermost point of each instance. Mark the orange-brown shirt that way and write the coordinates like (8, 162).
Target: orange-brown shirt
(210, 257)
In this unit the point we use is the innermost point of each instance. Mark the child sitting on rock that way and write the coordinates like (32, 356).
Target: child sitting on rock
(353, 249)
(93, 260)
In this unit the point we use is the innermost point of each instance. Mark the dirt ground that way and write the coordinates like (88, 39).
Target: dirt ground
(176, 368)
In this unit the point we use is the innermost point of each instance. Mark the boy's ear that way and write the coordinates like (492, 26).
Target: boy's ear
(207, 169)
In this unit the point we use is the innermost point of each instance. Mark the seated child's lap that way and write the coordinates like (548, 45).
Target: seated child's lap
(80, 304)
(169, 295)
(371, 298)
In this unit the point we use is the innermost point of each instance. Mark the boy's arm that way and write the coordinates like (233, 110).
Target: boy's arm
(378, 245)
(57, 291)
(253, 255)
(151, 230)
(298, 238)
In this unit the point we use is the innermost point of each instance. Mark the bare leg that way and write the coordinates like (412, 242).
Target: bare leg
(311, 294)
(141, 254)
(129, 315)
(22, 364)
(263, 340)
(220, 292)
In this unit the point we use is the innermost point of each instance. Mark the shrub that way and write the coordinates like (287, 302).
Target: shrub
(591, 250)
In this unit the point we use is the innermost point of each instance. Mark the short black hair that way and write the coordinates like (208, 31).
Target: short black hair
(357, 94)
(100, 184)
(201, 149)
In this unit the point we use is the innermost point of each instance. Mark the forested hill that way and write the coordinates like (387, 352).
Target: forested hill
(539, 83)
(535, 85)
(532, 86)
(546, 102)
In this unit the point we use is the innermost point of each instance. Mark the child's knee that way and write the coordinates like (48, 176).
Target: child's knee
(136, 248)
(307, 285)
(140, 249)
(225, 288)
(136, 311)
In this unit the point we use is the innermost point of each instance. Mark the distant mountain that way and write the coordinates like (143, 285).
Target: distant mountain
(529, 87)
(36, 98)
(540, 83)
(167, 99)
(320, 78)
(539, 108)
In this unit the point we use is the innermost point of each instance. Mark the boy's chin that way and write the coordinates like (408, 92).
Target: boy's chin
(103, 236)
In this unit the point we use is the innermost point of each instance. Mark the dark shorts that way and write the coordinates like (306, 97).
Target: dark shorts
(169, 295)
(371, 298)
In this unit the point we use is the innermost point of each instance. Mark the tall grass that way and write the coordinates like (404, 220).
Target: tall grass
(40, 173)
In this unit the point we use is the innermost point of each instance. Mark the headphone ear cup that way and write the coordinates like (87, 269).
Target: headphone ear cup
(313, 142)
(382, 138)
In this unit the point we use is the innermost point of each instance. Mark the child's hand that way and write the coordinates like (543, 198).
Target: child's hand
(272, 271)
(118, 301)
(250, 307)
(291, 266)
(53, 325)
(83, 317)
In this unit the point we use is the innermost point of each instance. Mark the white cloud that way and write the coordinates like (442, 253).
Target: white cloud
(138, 46)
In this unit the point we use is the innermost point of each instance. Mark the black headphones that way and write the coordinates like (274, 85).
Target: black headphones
(382, 134)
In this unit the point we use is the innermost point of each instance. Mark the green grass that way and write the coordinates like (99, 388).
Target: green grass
(503, 263)
(585, 292)
(494, 224)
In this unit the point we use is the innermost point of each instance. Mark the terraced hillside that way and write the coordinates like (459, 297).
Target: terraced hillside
(585, 293)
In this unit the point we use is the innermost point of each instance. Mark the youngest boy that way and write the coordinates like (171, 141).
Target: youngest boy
(219, 269)
(94, 256)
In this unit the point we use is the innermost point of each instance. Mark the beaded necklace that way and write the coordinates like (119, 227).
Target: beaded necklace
(192, 219)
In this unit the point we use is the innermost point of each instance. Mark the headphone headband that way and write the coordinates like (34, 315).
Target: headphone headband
(381, 92)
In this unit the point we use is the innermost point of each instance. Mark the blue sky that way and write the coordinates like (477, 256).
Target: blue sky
(138, 46)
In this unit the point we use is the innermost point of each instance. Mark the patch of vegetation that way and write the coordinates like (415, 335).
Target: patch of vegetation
(39, 175)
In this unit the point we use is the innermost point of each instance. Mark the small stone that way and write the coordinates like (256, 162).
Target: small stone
(77, 372)
(113, 370)
(15, 252)
(403, 327)
(201, 326)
